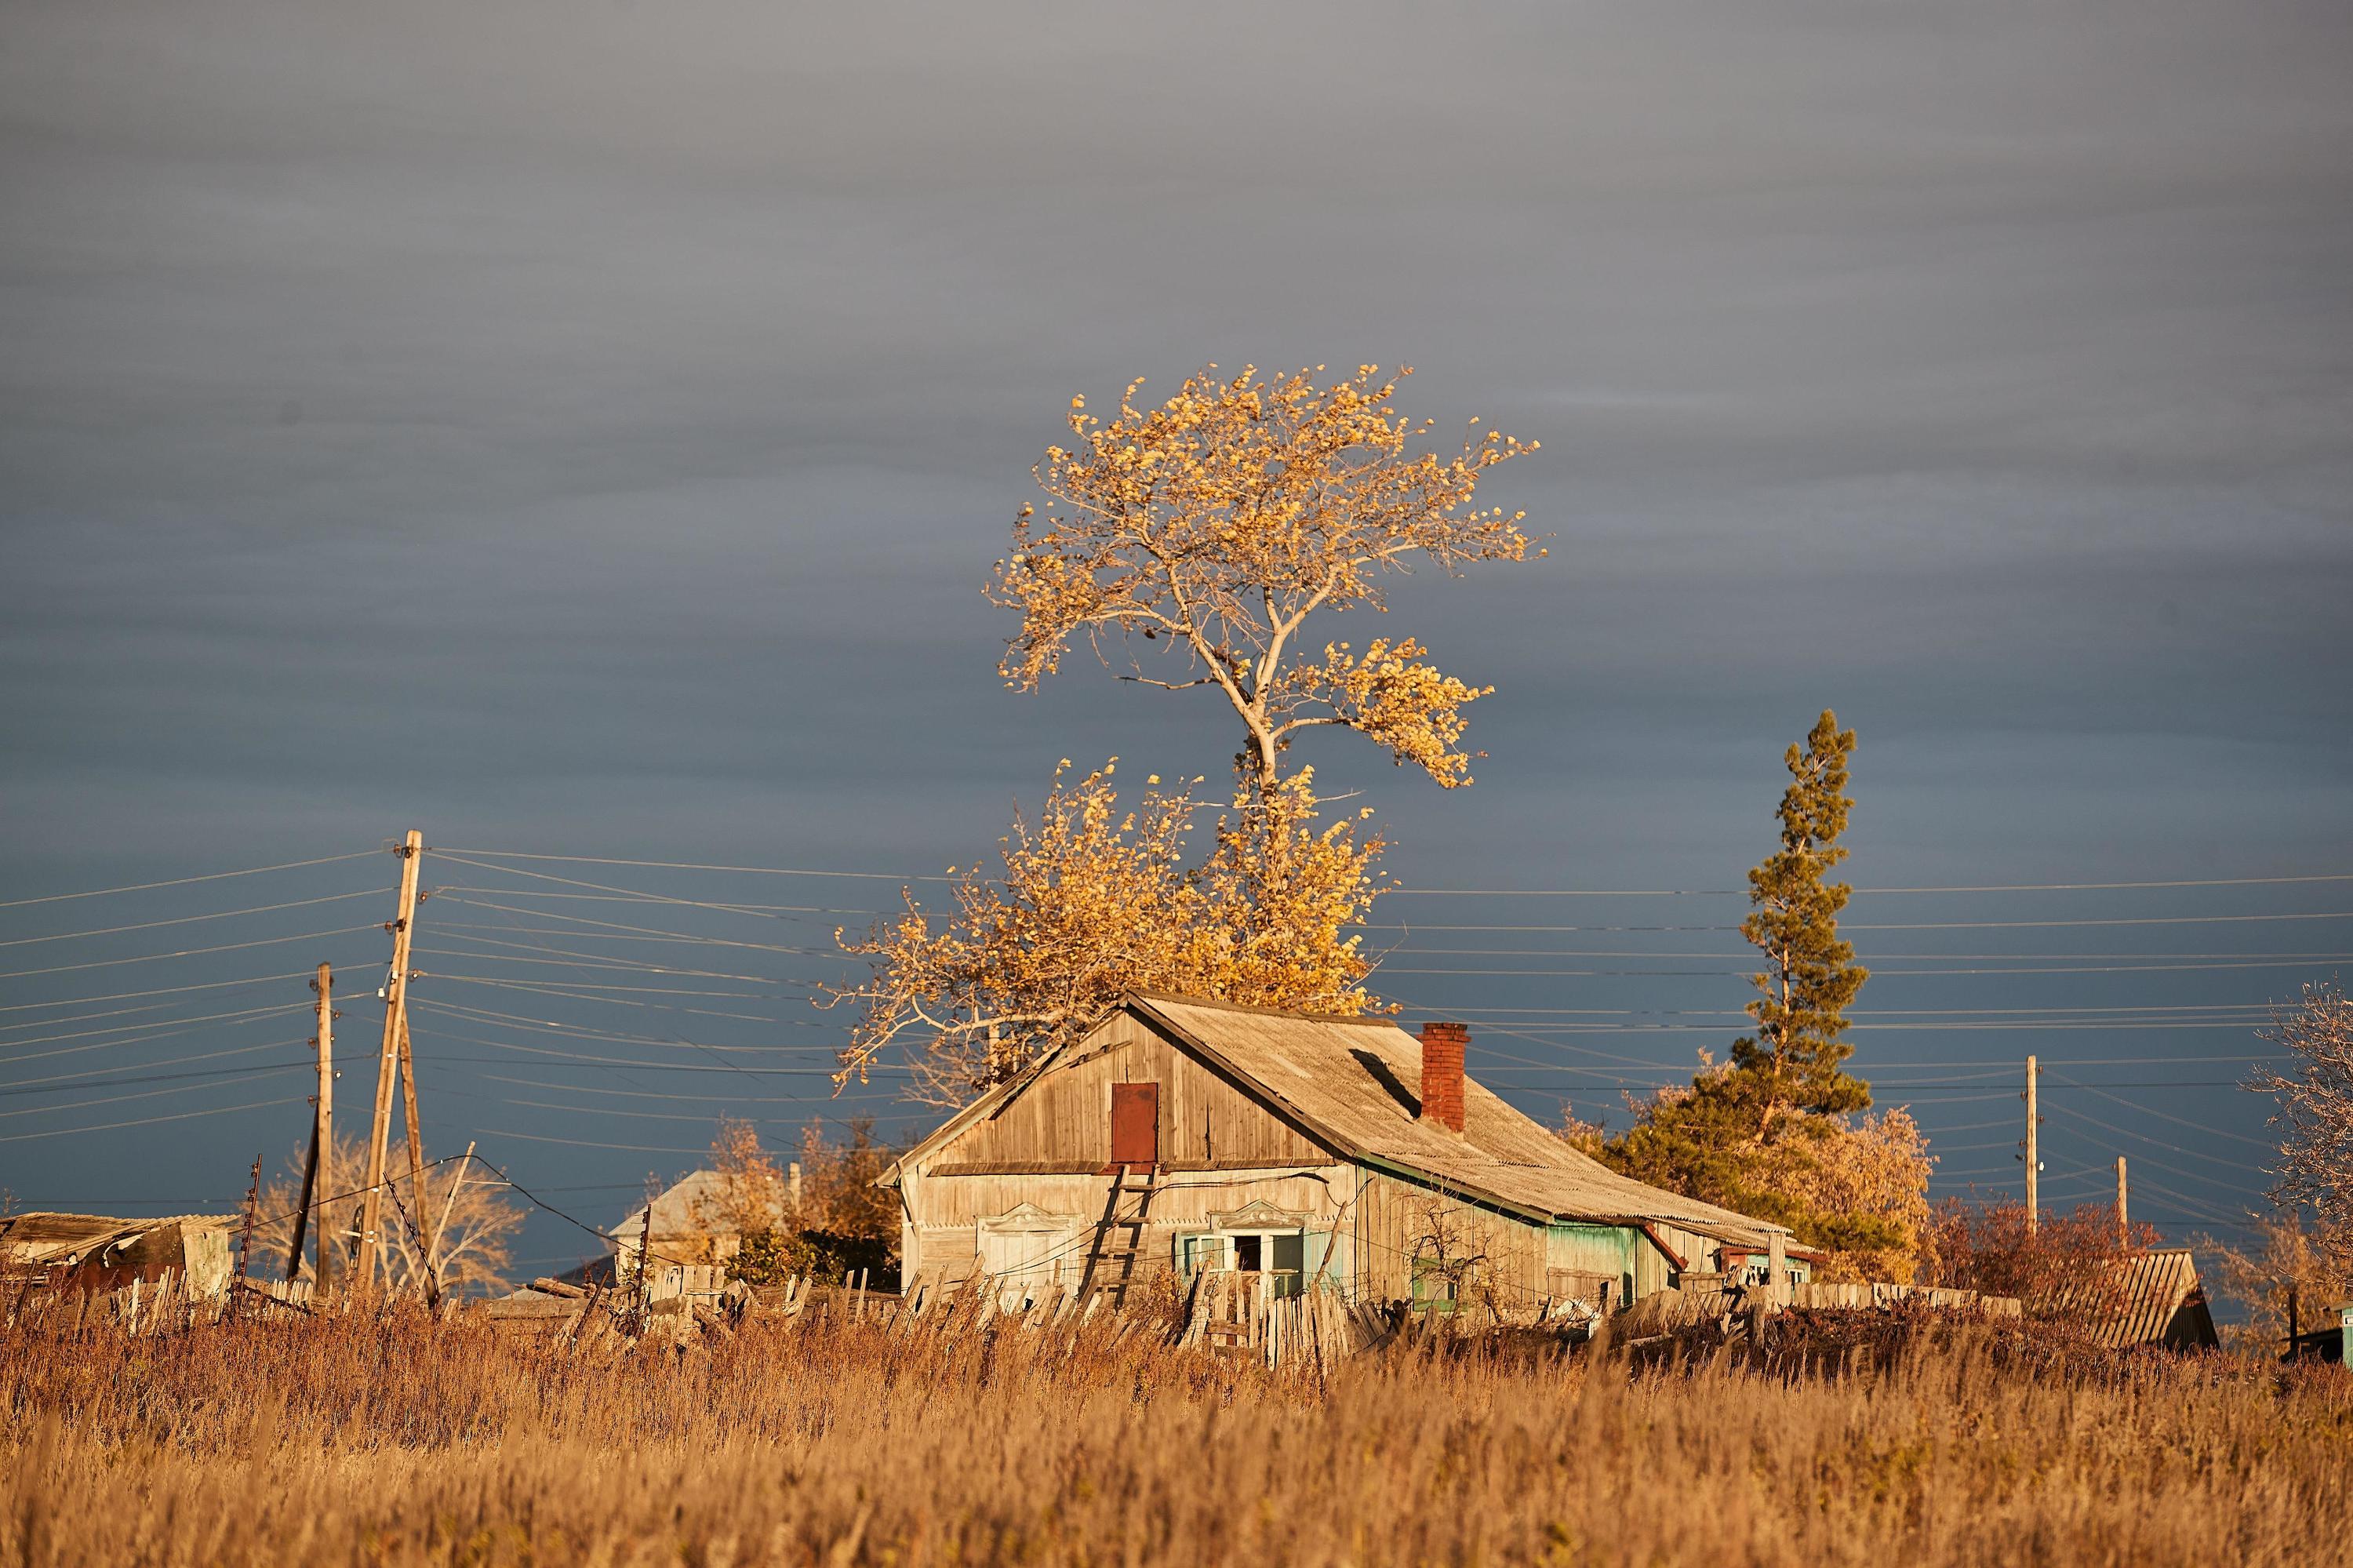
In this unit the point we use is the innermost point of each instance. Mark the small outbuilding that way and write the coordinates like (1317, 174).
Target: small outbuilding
(100, 1253)
(693, 1221)
(1178, 1135)
(2147, 1299)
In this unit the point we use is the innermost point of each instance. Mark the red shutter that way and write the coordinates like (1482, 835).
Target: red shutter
(1135, 1124)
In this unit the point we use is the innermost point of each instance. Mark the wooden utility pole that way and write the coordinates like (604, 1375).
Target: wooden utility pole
(408, 1111)
(2124, 1206)
(396, 1010)
(2033, 1156)
(318, 1171)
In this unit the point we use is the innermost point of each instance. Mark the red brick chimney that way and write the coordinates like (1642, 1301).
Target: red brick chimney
(1442, 1073)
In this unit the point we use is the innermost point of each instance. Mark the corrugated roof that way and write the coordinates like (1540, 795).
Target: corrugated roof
(2148, 1298)
(1355, 1084)
(1358, 1081)
(44, 1238)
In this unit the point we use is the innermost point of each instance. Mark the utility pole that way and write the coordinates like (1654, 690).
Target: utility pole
(408, 1110)
(2034, 1157)
(2124, 1207)
(396, 1013)
(318, 1171)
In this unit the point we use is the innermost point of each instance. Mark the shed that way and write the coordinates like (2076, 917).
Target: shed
(99, 1252)
(1178, 1135)
(2147, 1299)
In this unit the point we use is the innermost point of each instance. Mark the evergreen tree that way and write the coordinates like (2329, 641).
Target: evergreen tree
(1792, 1063)
(1768, 1132)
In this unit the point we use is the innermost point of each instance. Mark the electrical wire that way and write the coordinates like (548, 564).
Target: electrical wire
(149, 1121)
(183, 880)
(159, 991)
(1507, 892)
(190, 953)
(66, 1082)
(192, 919)
(689, 865)
(633, 895)
(246, 1075)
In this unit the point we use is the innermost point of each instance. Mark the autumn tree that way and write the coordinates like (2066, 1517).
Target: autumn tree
(2056, 1264)
(2315, 1100)
(1772, 1131)
(1213, 525)
(471, 1247)
(1217, 522)
(1092, 900)
(832, 1218)
(2283, 1272)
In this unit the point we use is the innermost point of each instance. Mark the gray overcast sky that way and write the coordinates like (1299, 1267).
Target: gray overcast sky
(583, 429)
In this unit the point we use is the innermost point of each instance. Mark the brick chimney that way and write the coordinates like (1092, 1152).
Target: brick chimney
(1441, 1074)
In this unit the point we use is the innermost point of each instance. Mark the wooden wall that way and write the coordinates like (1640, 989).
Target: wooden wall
(941, 1237)
(1062, 1122)
(1394, 1217)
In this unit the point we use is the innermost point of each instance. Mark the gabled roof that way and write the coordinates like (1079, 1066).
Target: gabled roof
(695, 1204)
(1353, 1085)
(2147, 1298)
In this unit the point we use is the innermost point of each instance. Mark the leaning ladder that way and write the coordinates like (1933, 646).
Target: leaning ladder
(1119, 1234)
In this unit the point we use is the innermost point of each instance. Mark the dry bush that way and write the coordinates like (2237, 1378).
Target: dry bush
(2003, 1249)
(402, 1441)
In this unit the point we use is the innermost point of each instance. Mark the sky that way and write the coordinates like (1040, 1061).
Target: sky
(583, 431)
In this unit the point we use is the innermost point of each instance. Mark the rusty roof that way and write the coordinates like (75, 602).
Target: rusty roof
(2147, 1298)
(1355, 1084)
(43, 1238)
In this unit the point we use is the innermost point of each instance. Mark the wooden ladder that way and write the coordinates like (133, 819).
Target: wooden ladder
(1119, 1237)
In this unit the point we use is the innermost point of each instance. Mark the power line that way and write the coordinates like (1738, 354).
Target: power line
(190, 953)
(183, 880)
(149, 1121)
(629, 894)
(159, 991)
(169, 1024)
(243, 1075)
(2184, 1121)
(190, 919)
(1742, 892)
(689, 865)
(61, 1082)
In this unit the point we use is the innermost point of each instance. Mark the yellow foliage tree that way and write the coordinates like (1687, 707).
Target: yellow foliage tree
(1221, 519)
(1094, 901)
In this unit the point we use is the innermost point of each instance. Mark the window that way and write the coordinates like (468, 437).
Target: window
(1281, 1255)
(1135, 1124)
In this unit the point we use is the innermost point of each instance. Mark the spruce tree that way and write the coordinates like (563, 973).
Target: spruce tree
(1792, 1063)
(1768, 1132)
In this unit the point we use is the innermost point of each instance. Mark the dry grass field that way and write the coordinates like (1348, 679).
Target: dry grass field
(412, 1442)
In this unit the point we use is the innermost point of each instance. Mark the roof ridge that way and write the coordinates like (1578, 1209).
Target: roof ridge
(1183, 999)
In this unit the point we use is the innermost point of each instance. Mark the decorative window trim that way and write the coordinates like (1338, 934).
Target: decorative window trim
(1027, 1218)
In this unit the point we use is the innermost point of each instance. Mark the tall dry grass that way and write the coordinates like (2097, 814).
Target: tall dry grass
(411, 1443)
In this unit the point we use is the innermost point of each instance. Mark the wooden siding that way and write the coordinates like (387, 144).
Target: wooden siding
(1395, 1218)
(1063, 1120)
(944, 1243)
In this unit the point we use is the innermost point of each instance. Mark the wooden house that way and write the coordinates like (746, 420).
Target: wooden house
(1179, 1134)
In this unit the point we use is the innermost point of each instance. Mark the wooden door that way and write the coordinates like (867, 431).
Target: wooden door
(1135, 1124)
